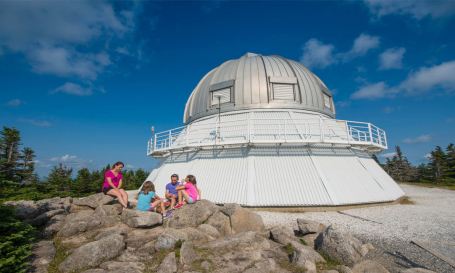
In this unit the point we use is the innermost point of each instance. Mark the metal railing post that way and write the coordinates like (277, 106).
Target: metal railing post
(385, 140)
(187, 134)
(154, 144)
(285, 133)
(371, 136)
(249, 128)
(320, 130)
(170, 138)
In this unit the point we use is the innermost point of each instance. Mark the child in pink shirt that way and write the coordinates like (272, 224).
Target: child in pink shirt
(189, 191)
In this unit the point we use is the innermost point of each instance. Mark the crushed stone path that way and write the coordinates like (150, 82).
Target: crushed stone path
(391, 228)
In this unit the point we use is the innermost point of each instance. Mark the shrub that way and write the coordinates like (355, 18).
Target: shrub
(15, 241)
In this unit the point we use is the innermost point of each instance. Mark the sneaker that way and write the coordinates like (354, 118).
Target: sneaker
(167, 203)
(178, 206)
(167, 214)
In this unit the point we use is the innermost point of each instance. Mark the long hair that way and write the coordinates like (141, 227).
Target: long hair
(192, 179)
(117, 164)
(147, 187)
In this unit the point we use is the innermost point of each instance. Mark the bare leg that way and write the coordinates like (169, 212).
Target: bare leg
(124, 196)
(161, 204)
(183, 193)
(180, 196)
(118, 194)
(173, 201)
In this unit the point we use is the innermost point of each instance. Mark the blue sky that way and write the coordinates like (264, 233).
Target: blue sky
(85, 81)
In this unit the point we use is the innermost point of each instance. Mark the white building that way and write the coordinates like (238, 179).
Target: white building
(275, 142)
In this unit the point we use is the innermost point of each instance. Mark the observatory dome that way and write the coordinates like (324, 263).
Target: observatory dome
(254, 82)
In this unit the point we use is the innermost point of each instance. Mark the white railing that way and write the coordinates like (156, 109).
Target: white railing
(269, 131)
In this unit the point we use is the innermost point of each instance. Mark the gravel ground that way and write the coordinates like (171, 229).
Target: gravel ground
(391, 228)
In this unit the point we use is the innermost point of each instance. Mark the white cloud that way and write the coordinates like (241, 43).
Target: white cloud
(373, 91)
(318, 55)
(334, 91)
(425, 80)
(361, 46)
(76, 89)
(391, 58)
(428, 79)
(36, 123)
(122, 50)
(450, 119)
(14, 102)
(361, 69)
(427, 156)
(60, 37)
(388, 155)
(40, 164)
(131, 167)
(72, 161)
(343, 103)
(388, 110)
(420, 139)
(417, 9)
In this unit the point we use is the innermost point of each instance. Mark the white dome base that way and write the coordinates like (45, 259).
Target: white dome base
(281, 175)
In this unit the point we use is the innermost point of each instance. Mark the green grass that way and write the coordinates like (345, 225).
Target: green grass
(289, 249)
(431, 185)
(61, 253)
(292, 267)
(329, 265)
(303, 242)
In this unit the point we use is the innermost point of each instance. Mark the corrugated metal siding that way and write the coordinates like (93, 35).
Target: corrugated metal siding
(225, 94)
(350, 180)
(251, 88)
(283, 91)
(386, 182)
(285, 176)
(281, 176)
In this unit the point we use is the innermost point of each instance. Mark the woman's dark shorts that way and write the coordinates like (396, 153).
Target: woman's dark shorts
(106, 190)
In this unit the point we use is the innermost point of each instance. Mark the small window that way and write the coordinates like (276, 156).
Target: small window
(327, 101)
(225, 94)
(282, 91)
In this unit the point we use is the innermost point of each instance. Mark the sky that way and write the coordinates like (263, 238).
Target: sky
(85, 80)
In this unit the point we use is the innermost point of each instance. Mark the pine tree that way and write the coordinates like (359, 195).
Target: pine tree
(82, 182)
(437, 163)
(10, 139)
(450, 162)
(28, 166)
(60, 177)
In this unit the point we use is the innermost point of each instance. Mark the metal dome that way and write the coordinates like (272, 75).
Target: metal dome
(254, 82)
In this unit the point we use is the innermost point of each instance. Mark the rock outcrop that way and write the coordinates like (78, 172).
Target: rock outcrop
(94, 200)
(340, 246)
(93, 253)
(141, 219)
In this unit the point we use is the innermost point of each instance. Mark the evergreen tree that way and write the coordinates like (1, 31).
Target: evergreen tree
(28, 166)
(82, 182)
(139, 177)
(60, 178)
(10, 139)
(450, 162)
(437, 163)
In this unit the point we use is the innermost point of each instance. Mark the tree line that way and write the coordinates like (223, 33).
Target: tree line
(19, 180)
(440, 168)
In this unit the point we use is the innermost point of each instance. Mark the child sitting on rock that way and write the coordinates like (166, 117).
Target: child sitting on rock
(189, 191)
(145, 197)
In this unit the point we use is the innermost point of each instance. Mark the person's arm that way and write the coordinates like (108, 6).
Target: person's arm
(109, 181)
(167, 195)
(119, 184)
(157, 197)
(198, 194)
(181, 187)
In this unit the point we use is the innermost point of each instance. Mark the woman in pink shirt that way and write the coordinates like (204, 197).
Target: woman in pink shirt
(113, 183)
(189, 191)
